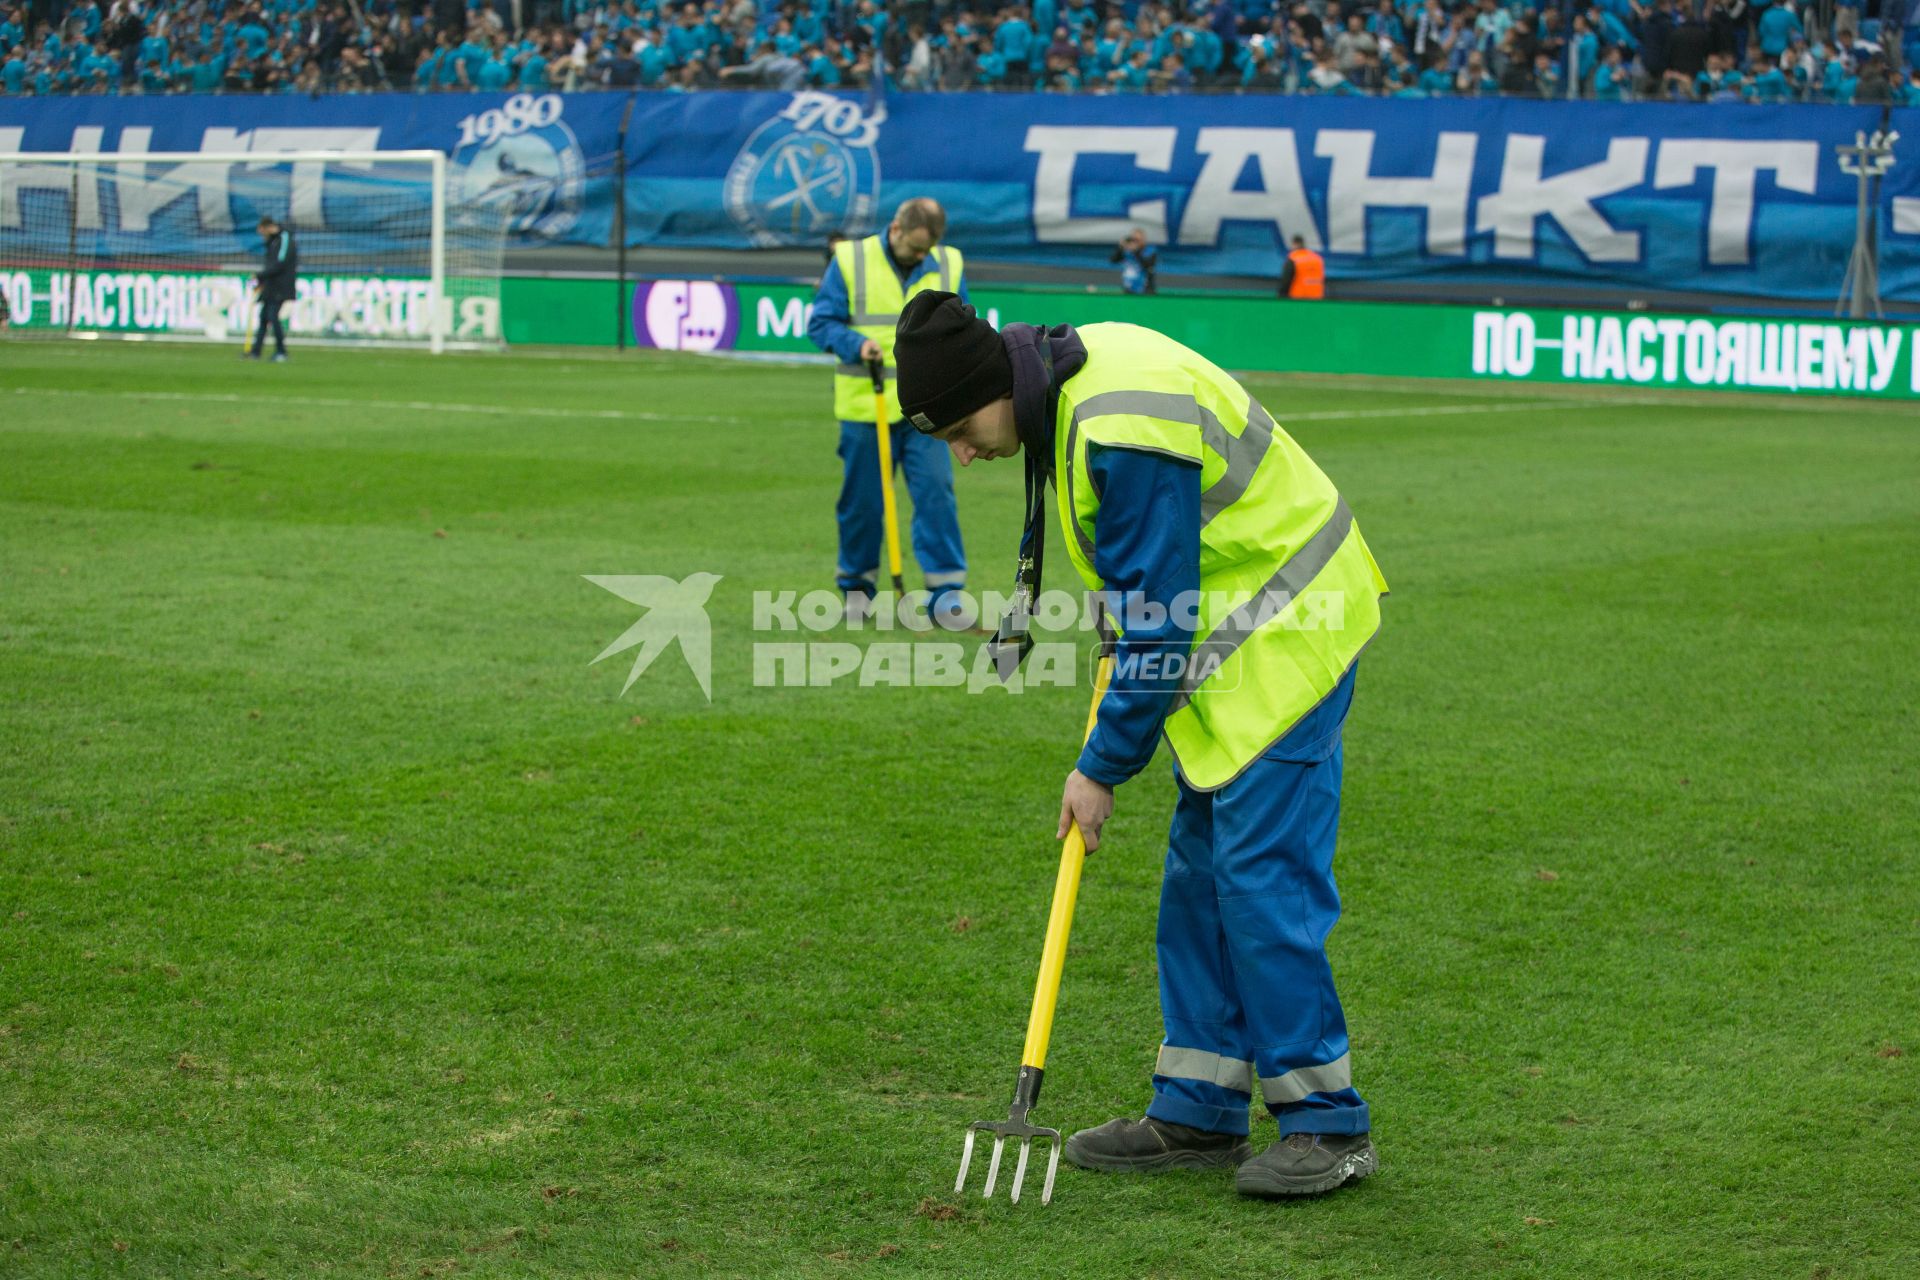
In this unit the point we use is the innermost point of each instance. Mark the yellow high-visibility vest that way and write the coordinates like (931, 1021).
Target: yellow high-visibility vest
(875, 301)
(1290, 594)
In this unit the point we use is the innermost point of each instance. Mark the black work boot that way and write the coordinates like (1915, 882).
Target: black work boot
(1306, 1164)
(1149, 1145)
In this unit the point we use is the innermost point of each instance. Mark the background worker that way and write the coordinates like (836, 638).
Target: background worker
(1304, 273)
(276, 279)
(866, 285)
(1122, 421)
(1138, 262)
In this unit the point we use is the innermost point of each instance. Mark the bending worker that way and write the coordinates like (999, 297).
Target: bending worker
(1199, 519)
(854, 316)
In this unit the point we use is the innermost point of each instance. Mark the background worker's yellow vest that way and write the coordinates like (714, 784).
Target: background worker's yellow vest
(1290, 593)
(875, 301)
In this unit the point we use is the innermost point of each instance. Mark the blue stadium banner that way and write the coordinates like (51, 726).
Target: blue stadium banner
(547, 157)
(1726, 198)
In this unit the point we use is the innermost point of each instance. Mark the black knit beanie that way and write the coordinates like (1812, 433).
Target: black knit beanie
(949, 361)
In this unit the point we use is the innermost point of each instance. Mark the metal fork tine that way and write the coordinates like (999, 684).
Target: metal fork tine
(1053, 1167)
(966, 1158)
(993, 1167)
(1020, 1168)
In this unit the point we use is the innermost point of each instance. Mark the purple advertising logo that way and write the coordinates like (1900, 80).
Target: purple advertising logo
(686, 315)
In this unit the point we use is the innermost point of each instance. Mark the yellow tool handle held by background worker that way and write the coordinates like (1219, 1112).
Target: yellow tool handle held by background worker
(884, 429)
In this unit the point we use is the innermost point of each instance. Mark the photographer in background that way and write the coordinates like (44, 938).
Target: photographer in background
(1137, 262)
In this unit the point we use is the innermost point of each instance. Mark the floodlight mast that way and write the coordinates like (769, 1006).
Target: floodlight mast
(1867, 159)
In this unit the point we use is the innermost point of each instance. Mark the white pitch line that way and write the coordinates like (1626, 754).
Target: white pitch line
(441, 406)
(418, 406)
(1440, 410)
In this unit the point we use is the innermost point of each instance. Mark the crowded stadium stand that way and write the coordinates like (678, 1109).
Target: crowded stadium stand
(1746, 51)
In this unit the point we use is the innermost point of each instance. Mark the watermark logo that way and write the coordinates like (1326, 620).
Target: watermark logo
(675, 610)
(813, 640)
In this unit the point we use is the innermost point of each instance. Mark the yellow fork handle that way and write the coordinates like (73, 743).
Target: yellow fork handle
(1066, 888)
(884, 430)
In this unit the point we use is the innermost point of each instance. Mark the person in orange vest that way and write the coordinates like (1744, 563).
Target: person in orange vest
(1305, 274)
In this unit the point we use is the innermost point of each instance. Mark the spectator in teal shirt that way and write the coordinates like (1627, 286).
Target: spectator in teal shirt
(253, 35)
(992, 65)
(533, 72)
(654, 62)
(688, 39)
(1778, 27)
(1835, 84)
(1013, 41)
(1768, 83)
(1203, 53)
(1719, 82)
(427, 70)
(1585, 47)
(208, 73)
(1136, 76)
(13, 73)
(822, 73)
(12, 33)
(1611, 78)
(494, 74)
(471, 55)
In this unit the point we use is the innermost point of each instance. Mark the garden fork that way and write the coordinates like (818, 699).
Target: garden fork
(1053, 958)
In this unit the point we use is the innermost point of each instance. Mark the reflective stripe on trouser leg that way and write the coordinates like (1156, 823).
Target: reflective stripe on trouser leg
(859, 511)
(928, 465)
(1204, 1074)
(1274, 830)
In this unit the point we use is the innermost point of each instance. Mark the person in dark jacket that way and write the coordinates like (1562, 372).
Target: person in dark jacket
(276, 279)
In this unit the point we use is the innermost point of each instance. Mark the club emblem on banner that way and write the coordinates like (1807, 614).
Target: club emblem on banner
(812, 169)
(522, 158)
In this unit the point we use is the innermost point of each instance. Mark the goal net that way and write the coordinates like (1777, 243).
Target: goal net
(395, 247)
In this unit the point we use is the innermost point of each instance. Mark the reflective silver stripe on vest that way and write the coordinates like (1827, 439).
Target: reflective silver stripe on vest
(858, 309)
(1301, 1081)
(1073, 508)
(945, 266)
(1287, 582)
(860, 371)
(1243, 453)
(1198, 1064)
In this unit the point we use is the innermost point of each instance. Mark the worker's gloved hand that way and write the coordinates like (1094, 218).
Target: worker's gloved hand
(1086, 803)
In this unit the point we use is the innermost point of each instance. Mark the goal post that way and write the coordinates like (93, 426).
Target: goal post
(395, 247)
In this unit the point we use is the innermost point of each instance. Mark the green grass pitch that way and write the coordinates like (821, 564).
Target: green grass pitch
(352, 924)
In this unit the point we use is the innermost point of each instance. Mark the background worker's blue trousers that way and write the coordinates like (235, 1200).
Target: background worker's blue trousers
(863, 522)
(1245, 909)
